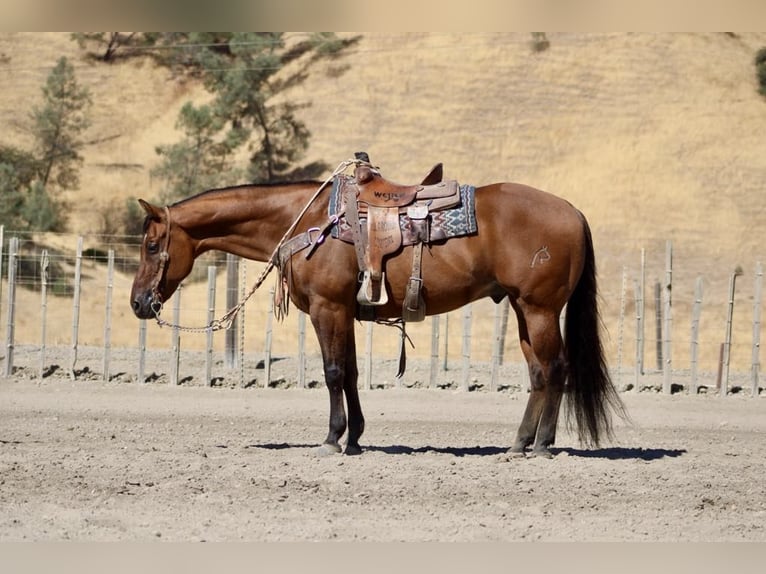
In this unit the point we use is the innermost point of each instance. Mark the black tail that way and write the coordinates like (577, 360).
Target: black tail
(591, 394)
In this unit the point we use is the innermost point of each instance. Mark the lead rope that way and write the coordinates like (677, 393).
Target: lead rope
(226, 321)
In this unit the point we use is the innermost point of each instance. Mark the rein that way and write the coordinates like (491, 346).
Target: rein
(227, 319)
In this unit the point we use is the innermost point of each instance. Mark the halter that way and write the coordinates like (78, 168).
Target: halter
(164, 258)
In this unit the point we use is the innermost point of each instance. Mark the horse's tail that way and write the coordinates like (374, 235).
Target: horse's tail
(591, 393)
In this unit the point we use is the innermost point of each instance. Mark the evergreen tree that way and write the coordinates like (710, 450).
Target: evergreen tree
(58, 125)
(199, 160)
(248, 75)
(30, 181)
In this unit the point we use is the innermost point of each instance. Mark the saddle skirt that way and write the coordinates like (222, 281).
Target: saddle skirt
(444, 224)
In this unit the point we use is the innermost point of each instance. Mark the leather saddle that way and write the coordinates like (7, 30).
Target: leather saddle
(373, 207)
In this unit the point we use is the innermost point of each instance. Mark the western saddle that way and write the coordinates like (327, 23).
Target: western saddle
(373, 206)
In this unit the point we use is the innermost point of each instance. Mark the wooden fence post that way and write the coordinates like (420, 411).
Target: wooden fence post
(175, 339)
(639, 367)
(368, 356)
(43, 308)
(467, 317)
(497, 343)
(621, 324)
(726, 354)
(2, 245)
(243, 286)
(232, 290)
(694, 351)
(641, 314)
(434, 371)
(658, 322)
(505, 308)
(76, 307)
(756, 363)
(142, 351)
(108, 316)
(445, 364)
(667, 320)
(211, 273)
(267, 344)
(13, 246)
(301, 350)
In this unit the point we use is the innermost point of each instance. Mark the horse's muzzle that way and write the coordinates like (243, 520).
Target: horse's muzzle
(145, 305)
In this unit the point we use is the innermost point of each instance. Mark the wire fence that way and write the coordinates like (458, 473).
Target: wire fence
(64, 307)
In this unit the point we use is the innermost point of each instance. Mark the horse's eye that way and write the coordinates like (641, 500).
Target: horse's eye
(152, 247)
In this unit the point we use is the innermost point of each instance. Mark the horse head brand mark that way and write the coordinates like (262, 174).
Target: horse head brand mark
(259, 222)
(540, 256)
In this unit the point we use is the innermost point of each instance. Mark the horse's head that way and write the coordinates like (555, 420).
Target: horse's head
(167, 257)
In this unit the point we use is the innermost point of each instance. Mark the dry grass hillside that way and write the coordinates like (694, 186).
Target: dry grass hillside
(655, 137)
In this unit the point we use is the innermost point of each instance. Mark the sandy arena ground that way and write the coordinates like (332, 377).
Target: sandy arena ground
(122, 461)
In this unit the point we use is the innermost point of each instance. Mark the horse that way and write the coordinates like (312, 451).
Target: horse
(530, 246)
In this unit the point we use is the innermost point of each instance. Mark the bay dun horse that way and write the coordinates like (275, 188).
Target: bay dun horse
(530, 246)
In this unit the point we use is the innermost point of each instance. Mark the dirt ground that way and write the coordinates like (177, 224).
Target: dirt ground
(90, 460)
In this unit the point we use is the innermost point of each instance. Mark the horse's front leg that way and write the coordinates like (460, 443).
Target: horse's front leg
(335, 330)
(355, 416)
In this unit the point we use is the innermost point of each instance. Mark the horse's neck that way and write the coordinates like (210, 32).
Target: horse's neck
(244, 221)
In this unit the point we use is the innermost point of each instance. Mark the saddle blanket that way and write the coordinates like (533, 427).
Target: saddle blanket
(455, 222)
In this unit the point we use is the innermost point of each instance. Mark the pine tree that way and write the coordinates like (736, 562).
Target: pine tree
(248, 74)
(58, 125)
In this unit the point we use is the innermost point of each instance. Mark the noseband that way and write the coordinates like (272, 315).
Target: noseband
(164, 258)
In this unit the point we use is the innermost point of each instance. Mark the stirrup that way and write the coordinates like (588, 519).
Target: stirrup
(370, 288)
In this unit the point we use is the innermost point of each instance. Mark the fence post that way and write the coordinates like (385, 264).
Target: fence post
(2, 244)
(726, 354)
(641, 314)
(467, 316)
(175, 339)
(76, 307)
(267, 345)
(639, 370)
(658, 322)
(497, 342)
(142, 351)
(434, 352)
(210, 318)
(621, 324)
(43, 308)
(668, 320)
(301, 350)
(445, 365)
(108, 317)
(368, 356)
(694, 351)
(13, 247)
(243, 284)
(756, 329)
(230, 335)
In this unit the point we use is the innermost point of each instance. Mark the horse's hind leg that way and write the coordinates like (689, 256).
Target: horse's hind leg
(542, 346)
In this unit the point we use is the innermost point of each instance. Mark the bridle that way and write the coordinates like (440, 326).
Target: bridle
(164, 258)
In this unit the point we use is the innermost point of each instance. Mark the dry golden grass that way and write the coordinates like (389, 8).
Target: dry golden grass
(655, 137)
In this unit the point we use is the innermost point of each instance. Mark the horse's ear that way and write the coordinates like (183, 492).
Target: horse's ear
(151, 210)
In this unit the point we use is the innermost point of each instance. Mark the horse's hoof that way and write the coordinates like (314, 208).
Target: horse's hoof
(327, 450)
(353, 449)
(541, 453)
(513, 453)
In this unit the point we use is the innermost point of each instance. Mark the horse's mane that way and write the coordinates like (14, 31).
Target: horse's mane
(273, 184)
